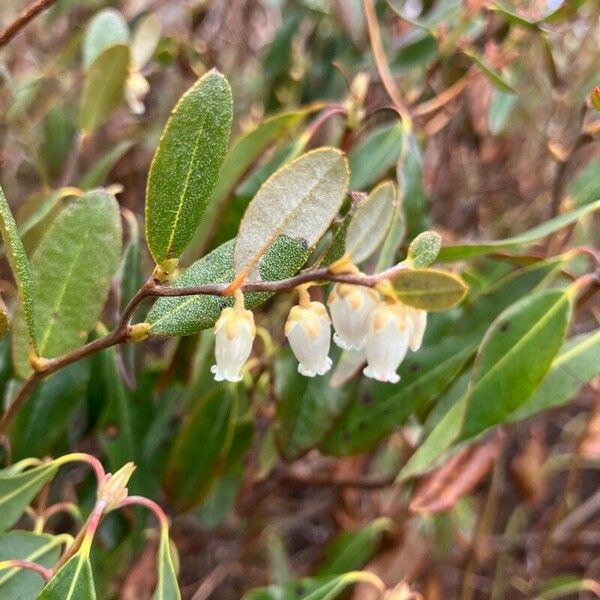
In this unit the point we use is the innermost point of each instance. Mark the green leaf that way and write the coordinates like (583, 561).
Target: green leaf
(103, 87)
(585, 187)
(484, 307)
(515, 355)
(107, 28)
(282, 154)
(409, 174)
(306, 407)
(576, 365)
(40, 548)
(19, 266)
(145, 39)
(245, 151)
(336, 248)
(377, 413)
(495, 78)
(36, 215)
(425, 375)
(423, 250)
(74, 581)
(371, 223)
(130, 271)
(188, 315)
(3, 321)
(166, 587)
(464, 251)
(567, 9)
(186, 165)
(72, 268)
(374, 155)
(429, 289)
(249, 146)
(310, 588)
(515, 19)
(351, 550)
(120, 438)
(17, 490)
(98, 172)
(394, 238)
(46, 416)
(298, 201)
(200, 448)
(500, 110)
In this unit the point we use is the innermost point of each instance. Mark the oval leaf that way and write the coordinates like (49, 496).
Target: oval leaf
(186, 165)
(72, 269)
(74, 581)
(299, 201)
(577, 364)
(429, 289)
(351, 550)
(200, 449)
(19, 266)
(423, 250)
(166, 587)
(514, 356)
(145, 39)
(444, 487)
(41, 548)
(306, 408)
(374, 155)
(460, 252)
(107, 28)
(103, 87)
(188, 315)
(376, 414)
(17, 490)
(371, 223)
(496, 79)
(312, 588)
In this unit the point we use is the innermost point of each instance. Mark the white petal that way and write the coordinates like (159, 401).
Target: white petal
(418, 322)
(234, 335)
(387, 343)
(309, 333)
(350, 307)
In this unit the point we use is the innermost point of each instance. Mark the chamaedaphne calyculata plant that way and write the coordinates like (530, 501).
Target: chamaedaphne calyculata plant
(325, 313)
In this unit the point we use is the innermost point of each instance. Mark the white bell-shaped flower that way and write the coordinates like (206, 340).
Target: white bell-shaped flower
(418, 322)
(308, 329)
(234, 334)
(388, 336)
(350, 307)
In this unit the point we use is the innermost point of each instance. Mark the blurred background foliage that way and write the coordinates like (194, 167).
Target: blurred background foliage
(503, 138)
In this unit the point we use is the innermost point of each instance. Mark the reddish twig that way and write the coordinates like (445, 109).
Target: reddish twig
(382, 64)
(17, 563)
(23, 19)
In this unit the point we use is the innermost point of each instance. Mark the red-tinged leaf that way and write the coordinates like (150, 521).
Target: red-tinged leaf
(444, 487)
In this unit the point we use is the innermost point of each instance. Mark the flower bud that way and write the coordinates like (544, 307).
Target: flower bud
(308, 329)
(113, 489)
(350, 307)
(234, 335)
(388, 335)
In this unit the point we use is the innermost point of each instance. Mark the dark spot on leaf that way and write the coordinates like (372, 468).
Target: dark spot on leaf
(415, 367)
(366, 399)
(505, 326)
(111, 431)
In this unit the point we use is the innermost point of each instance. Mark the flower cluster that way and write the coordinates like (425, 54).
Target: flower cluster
(384, 328)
